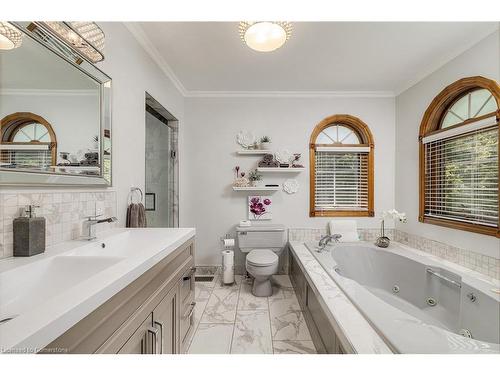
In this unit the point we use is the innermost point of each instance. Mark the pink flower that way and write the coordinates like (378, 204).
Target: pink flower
(267, 201)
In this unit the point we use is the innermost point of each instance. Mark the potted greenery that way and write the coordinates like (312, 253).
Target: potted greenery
(265, 143)
(254, 177)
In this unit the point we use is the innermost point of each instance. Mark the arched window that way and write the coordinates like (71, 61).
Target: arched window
(27, 141)
(341, 168)
(459, 159)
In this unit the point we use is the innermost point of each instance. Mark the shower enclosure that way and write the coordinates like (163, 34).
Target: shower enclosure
(162, 168)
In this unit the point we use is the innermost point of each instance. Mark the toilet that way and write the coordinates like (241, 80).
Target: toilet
(262, 245)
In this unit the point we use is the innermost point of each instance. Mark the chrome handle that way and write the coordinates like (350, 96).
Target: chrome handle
(160, 324)
(444, 278)
(154, 332)
(192, 270)
(190, 311)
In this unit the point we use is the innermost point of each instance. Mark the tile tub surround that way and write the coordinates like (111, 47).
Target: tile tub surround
(230, 320)
(64, 212)
(483, 264)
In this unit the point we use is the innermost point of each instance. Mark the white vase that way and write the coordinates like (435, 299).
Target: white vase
(265, 145)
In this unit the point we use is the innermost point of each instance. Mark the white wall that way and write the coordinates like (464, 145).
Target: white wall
(211, 125)
(482, 59)
(133, 73)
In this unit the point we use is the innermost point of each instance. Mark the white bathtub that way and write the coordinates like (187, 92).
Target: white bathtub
(418, 303)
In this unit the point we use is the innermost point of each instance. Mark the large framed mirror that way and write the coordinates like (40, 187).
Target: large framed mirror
(55, 113)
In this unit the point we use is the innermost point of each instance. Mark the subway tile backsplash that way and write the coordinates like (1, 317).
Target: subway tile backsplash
(64, 213)
(483, 264)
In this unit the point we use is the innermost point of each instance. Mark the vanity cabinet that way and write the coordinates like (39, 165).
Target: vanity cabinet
(152, 315)
(325, 334)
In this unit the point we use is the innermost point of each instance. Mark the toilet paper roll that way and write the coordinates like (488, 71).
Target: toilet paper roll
(228, 266)
(228, 243)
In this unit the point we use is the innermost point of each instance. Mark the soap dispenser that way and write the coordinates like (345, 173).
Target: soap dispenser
(29, 233)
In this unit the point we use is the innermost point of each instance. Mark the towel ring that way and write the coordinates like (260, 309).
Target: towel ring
(131, 195)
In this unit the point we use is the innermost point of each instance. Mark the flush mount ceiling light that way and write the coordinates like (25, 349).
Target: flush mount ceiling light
(84, 37)
(10, 37)
(265, 36)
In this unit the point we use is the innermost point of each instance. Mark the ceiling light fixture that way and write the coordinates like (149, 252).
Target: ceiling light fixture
(10, 37)
(265, 36)
(87, 38)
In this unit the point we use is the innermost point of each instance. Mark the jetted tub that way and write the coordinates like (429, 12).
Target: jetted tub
(418, 303)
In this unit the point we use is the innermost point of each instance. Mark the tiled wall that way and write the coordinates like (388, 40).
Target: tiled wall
(64, 213)
(486, 265)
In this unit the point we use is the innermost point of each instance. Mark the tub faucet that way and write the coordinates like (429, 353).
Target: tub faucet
(90, 223)
(325, 240)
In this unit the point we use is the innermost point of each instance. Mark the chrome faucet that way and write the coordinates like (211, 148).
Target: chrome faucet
(91, 222)
(325, 240)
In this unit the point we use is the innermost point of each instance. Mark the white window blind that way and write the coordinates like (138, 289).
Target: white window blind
(25, 156)
(461, 177)
(341, 179)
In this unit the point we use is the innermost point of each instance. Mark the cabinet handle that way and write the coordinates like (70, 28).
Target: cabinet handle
(160, 324)
(190, 311)
(154, 332)
(192, 270)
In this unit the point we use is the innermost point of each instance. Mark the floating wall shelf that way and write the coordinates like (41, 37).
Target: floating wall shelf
(257, 188)
(253, 152)
(279, 170)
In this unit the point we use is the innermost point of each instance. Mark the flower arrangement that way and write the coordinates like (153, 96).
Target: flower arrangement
(393, 214)
(259, 208)
(383, 240)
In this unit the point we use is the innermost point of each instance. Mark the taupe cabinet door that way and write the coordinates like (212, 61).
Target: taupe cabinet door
(137, 343)
(166, 319)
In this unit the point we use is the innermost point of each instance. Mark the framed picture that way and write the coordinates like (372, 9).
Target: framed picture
(259, 208)
(150, 202)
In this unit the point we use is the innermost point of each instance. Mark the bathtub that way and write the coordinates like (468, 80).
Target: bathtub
(416, 302)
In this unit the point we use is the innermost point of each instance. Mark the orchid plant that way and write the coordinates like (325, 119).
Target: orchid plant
(390, 214)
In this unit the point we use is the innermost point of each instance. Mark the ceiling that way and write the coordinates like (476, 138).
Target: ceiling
(204, 57)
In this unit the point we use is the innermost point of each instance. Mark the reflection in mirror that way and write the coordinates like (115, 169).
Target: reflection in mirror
(51, 115)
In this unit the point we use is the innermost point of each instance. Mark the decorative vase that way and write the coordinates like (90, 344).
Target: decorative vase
(382, 241)
(265, 145)
(254, 183)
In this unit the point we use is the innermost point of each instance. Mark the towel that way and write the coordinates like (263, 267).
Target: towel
(347, 228)
(136, 216)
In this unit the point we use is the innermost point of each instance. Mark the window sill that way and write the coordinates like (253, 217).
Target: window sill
(475, 228)
(341, 214)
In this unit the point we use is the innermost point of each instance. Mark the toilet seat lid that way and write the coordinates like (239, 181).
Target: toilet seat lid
(262, 257)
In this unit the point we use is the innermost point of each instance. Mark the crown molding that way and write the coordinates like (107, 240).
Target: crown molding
(48, 92)
(439, 64)
(290, 94)
(141, 37)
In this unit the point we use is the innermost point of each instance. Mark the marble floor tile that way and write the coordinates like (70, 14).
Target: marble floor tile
(212, 339)
(247, 301)
(236, 285)
(283, 300)
(289, 325)
(252, 333)
(282, 281)
(232, 314)
(202, 291)
(221, 306)
(294, 347)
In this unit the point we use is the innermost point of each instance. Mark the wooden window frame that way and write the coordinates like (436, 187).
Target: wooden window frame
(366, 138)
(431, 124)
(15, 121)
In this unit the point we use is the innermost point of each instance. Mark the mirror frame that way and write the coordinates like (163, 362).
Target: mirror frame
(43, 36)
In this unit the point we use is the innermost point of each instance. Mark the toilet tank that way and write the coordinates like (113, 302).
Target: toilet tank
(271, 236)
